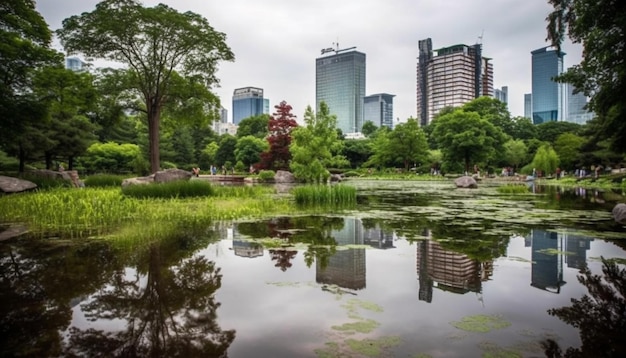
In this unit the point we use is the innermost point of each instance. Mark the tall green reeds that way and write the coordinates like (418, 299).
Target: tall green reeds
(325, 195)
(174, 189)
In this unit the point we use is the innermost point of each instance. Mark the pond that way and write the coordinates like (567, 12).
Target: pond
(417, 269)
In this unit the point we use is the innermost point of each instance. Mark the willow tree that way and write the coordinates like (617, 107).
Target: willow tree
(154, 43)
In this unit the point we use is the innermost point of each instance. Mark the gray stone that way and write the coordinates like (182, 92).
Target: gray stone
(465, 182)
(619, 213)
(283, 176)
(164, 176)
(138, 181)
(15, 185)
(336, 177)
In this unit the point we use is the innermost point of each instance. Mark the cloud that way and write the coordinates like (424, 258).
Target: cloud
(276, 41)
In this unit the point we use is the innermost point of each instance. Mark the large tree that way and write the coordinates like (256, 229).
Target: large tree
(254, 126)
(280, 126)
(600, 26)
(153, 42)
(25, 46)
(408, 143)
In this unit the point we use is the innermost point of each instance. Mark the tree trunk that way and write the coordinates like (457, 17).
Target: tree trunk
(154, 115)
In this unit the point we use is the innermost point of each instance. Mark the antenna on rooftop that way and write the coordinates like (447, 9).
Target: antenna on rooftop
(480, 38)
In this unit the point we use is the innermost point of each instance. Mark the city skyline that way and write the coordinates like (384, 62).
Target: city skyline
(278, 54)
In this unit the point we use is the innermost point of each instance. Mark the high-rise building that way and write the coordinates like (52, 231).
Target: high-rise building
(547, 95)
(248, 102)
(378, 108)
(223, 115)
(502, 94)
(340, 83)
(74, 64)
(528, 105)
(576, 106)
(450, 77)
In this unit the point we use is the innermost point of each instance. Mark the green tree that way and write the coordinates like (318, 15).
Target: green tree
(408, 143)
(567, 146)
(315, 145)
(110, 157)
(226, 150)
(208, 156)
(546, 160)
(154, 43)
(368, 128)
(550, 131)
(25, 46)
(254, 126)
(357, 151)
(599, 26)
(515, 152)
(492, 110)
(381, 149)
(467, 138)
(523, 128)
(249, 148)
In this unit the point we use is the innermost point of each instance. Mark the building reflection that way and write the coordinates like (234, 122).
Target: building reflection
(346, 268)
(550, 251)
(448, 270)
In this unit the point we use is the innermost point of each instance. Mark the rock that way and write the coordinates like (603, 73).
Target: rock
(465, 182)
(336, 177)
(168, 175)
(283, 176)
(619, 213)
(138, 181)
(12, 231)
(15, 185)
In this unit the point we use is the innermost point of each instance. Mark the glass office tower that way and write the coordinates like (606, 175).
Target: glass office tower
(248, 102)
(378, 108)
(547, 95)
(528, 105)
(340, 83)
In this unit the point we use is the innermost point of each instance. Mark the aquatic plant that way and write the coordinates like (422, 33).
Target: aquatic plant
(513, 189)
(266, 175)
(320, 195)
(174, 189)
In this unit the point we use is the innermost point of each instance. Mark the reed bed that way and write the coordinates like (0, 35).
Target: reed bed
(104, 180)
(325, 195)
(174, 189)
(513, 189)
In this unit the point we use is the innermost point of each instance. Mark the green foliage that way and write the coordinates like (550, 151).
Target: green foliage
(174, 189)
(155, 43)
(226, 150)
(492, 110)
(104, 180)
(315, 146)
(523, 128)
(266, 175)
(368, 128)
(44, 182)
(515, 152)
(8, 163)
(567, 146)
(465, 137)
(357, 151)
(249, 148)
(321, 195)
(550, 131)
(111, 157)
(546, 160)
(208, 155)
(255, 126)
(407, 144)
(240, 167)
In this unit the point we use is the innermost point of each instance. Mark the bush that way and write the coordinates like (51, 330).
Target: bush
(44, 182)
(240, 167)
(103, 180)
(174, 189)
(266, 175)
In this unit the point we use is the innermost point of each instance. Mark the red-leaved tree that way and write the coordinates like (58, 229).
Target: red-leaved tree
(280, 125)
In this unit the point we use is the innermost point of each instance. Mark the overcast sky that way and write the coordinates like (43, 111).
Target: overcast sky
(276, 42)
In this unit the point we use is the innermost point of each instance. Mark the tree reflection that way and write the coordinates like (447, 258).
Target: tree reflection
(38, 283)
(167, 305)
(283, 258)
(600, 316)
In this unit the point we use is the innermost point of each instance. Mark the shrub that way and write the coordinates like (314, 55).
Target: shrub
(44, 182)
(103, 180)
(175, 189)
(266, 175)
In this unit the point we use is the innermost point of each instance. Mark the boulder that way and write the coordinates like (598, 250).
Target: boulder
(168, 175)
(138, 181)
(336, 177)
(283, 176)
(15, 185)
(619, 213)
(465, 182)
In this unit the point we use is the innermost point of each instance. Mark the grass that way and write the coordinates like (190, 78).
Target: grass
(174, 189)
(513, 189)
(322, 195)
(104, 180)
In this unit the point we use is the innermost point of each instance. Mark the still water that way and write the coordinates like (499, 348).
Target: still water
(416, 270)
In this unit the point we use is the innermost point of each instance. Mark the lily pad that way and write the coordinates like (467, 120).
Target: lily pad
(481, 323)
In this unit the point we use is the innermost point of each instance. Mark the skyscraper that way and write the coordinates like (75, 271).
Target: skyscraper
(378, 108)
(450, 77)
(74, 64)
(502, 94)
(248, 102)
(547, 95)
(576, 102)
(340, 83)
(528, 105)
